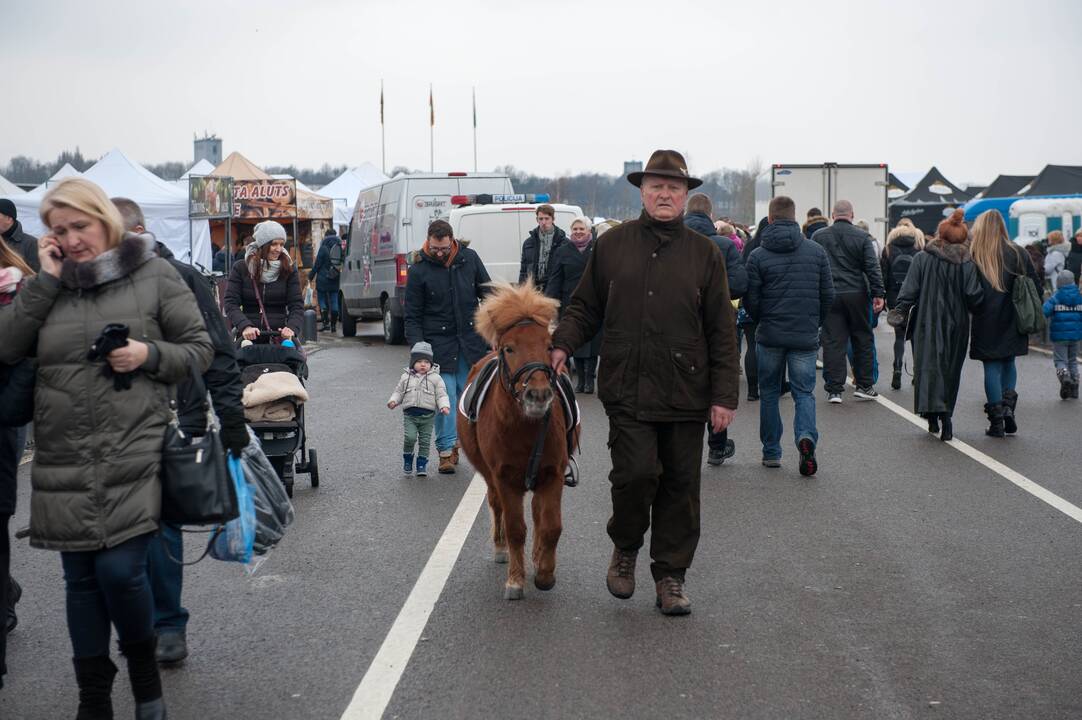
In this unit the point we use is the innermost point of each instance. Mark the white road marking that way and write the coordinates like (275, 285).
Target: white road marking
(1068, 509)
(379, 683)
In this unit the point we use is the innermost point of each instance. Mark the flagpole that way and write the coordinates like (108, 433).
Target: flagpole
(431, 131)
(382, 129)
(475, 129)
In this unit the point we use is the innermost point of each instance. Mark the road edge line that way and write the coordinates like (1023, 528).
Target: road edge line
(1047, 496)
(374, 693)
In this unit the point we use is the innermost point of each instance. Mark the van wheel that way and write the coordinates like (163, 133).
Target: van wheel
(349, 323)
(394, 328)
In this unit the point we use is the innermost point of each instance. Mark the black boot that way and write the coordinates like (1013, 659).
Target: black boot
(580, 376)
(95, 678)
(896, 380)
(146, 683)
(1010, 400)
(933, 422)
(324, 325)
(591, 375)
(947, 434)
(334, 321)
(995, 419)
(1074, 389)
(1064, 385)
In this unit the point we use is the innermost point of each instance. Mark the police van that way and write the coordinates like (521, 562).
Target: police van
(390, 223)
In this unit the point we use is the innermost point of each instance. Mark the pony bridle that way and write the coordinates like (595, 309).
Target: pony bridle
(520, 381)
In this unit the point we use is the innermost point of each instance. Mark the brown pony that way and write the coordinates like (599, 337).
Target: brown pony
(517, 321)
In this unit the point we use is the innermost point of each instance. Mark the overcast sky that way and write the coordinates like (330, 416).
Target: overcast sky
(977, 88)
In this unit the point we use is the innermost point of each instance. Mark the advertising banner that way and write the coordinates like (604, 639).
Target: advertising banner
(265, 199)
(314, 207)
(210, 196)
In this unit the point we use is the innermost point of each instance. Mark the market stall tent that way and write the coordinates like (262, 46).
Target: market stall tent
(164, 205)
(203, 167)
(9, 188)
(928, 202)
(66, 171)
(1055, 180)
(347, 187)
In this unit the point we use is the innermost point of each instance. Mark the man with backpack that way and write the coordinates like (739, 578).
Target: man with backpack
(328, 271)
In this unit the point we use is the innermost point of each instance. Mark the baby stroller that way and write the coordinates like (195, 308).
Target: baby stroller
(281, 440)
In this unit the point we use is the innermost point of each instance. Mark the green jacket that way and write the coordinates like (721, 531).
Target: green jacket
(660, 292)
(96, 468)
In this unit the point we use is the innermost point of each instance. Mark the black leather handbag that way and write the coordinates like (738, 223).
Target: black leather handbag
(196, 486)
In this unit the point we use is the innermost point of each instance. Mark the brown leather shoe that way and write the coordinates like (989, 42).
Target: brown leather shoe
(671, 598)
(621, 578)
(447, 465)
(454, 455)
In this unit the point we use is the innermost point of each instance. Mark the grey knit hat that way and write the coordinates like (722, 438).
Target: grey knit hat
(420, 351)
(267, 232)
(1065, 278)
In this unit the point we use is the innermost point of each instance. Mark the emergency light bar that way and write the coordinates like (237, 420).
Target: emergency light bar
(486, 199)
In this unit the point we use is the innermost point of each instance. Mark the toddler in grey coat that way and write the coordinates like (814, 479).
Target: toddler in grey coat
(422, 393)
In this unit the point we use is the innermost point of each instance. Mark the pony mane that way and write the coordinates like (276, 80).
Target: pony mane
(510, 304)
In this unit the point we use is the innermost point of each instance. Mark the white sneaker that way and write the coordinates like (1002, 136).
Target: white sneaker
(835, 399)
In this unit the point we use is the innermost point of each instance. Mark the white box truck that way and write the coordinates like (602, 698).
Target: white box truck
(820, 186)
(389, 223)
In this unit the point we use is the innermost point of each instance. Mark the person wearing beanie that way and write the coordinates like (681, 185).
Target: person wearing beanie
(421, 393)
(328, 271)
(1064, 309)
(940, 289)
(11, 230)
(995, 339)
(264, 291)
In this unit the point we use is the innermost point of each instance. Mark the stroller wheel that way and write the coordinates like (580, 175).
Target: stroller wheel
(313, 468)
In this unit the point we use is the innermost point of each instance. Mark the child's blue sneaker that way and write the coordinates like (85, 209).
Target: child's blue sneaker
(407, 463)
(422, 466)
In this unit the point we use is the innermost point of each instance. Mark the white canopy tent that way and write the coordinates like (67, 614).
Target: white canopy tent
(9, 188)
(345, 189)
(203, 167)
(164, 204)
(65, 172)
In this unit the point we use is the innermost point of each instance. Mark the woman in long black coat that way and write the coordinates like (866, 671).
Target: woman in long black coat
(276, 282)
(940, 290)
(568, 264)
(996, 341)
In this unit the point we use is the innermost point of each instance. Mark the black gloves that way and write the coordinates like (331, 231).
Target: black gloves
(115, 335)
(234, 436)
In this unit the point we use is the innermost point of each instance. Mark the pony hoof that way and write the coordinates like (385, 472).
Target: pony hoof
(544, 583)
(512, 592)
(500, 557)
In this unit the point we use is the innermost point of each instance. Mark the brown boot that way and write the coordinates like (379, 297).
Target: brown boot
(447, 464)
(454, 455)
(621, 577)
(671, 598)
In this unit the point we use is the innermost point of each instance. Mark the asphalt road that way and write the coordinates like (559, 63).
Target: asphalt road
(906, 580)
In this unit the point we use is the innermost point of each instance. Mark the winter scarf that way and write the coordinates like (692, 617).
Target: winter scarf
(271, 268)
(10, 278)
(545, 239)
(133, 251)
(581, 244)
(447, 260)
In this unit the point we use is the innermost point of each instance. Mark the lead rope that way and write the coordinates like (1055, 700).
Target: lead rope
(538, 450)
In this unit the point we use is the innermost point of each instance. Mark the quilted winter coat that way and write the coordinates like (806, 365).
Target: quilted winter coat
(96, 468)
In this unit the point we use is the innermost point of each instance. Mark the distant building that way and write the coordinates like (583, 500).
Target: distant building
(209, 148)
(631, 166)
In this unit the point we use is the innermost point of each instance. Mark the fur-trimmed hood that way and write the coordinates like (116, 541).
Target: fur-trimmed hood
(905, 236)
(956, 253)
(119, 262)
(814, 220)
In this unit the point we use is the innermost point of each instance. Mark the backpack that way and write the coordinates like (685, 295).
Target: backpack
(1028, 310)
(899, 268)
(334, 255)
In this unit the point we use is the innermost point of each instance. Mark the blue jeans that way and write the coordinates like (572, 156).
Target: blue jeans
(999, 376)
(108, 585)
(446, 430)
(773, 363)
(1065, 357)
(167, 579)
(328, 300)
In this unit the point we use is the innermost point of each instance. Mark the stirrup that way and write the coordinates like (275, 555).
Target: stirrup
(571, 473)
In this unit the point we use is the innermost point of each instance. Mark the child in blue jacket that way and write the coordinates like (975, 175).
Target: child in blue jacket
(1065, 309)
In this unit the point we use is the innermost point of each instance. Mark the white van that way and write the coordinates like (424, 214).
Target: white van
(389, 223)
(496, 232)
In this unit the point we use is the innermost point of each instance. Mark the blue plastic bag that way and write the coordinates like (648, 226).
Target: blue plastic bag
(235, 541)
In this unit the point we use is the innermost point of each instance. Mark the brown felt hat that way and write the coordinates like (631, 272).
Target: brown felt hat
(667, 163)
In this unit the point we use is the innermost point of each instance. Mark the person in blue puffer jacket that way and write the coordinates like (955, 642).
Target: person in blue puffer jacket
(1065, 330)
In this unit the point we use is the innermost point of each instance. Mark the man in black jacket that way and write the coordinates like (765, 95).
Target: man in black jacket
(13, 236)
(790, 293)
(699, 208)
(222, 380)
(539, 248)
(446, 283)
(856, 274)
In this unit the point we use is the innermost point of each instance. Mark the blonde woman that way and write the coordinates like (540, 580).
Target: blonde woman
(565, 271)
(99, 423)
(996, 341)
(903, 244)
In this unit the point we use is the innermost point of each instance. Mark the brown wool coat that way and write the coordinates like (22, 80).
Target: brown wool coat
(660, 293)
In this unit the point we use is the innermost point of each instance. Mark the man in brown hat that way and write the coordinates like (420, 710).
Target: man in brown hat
(668, 363)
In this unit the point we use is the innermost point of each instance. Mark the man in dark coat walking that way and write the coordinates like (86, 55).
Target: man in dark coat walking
(539, 248)
(328, 271)
(698, 218)
(446, 283)
(668, 363)
(790, 292)
(815, 222)
(857, 276)
(11, 230)
(222, 381)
